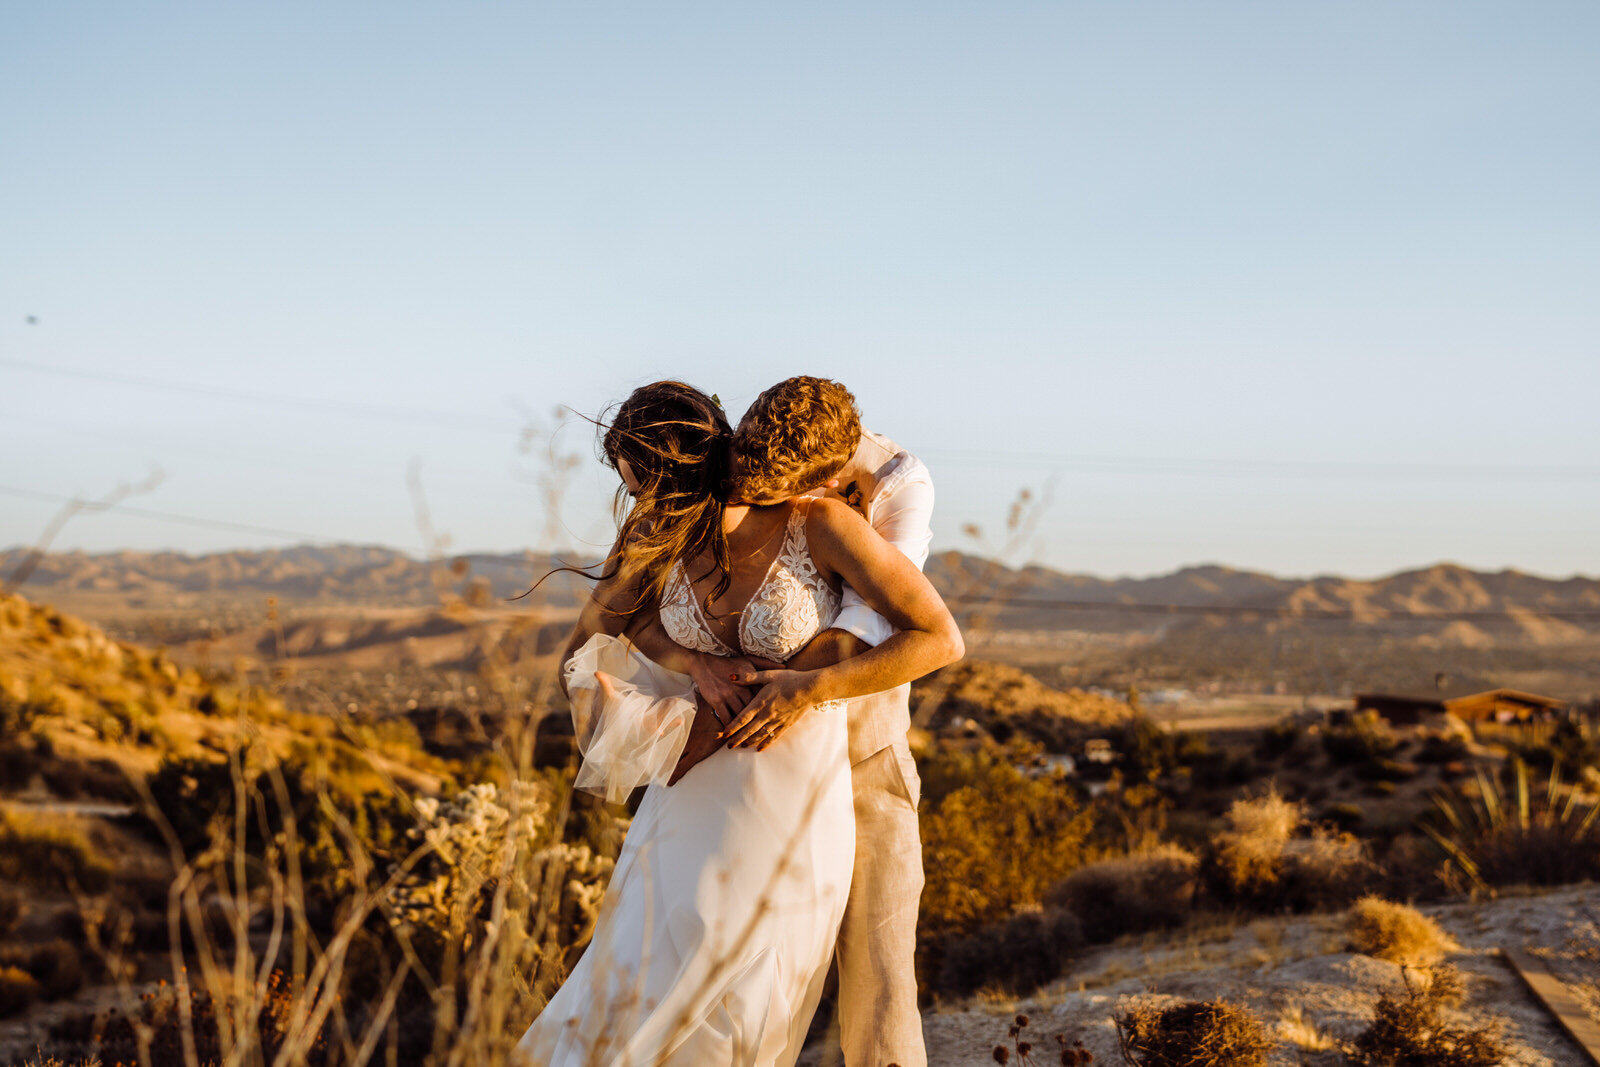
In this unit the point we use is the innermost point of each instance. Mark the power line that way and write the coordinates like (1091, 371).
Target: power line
(383, 412)
(1081, 462)
(956, 601)
(1363, 615)
(164, 516)
(1265, 468)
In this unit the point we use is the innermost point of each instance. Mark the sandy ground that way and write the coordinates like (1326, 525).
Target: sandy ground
(1276, 966)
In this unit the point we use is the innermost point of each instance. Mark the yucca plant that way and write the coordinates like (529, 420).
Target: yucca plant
(1527, 834)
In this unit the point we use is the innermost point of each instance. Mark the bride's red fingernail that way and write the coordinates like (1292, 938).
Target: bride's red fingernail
(733, 677)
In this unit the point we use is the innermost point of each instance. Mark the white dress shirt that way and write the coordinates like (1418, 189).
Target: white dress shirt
(900, 509)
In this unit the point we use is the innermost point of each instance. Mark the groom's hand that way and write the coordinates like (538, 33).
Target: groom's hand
(784, 697)
(705, 737)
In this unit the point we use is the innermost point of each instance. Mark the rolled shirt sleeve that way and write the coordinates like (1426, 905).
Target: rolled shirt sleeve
(902, 516)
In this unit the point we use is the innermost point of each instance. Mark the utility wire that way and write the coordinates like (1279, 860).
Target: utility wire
(1266, 468)
(164, 516)
(382, 412)
(1086, 463)
(962, 601)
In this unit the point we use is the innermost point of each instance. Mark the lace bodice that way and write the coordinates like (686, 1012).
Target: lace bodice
(791, 606)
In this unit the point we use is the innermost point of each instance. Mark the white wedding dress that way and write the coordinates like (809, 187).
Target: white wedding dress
(720, 921)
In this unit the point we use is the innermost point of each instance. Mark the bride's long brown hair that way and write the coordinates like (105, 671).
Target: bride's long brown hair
(675, 440)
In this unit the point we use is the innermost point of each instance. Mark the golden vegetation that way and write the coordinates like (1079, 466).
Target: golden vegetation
(1192, 1034)
(1396, 932)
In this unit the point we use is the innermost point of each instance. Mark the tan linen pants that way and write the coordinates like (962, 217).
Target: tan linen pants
(879, 1023)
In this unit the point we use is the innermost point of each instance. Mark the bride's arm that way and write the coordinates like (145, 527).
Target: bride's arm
(928, 638)
(607, 611)
(613, 608)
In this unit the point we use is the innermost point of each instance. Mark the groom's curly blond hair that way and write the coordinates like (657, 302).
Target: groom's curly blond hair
(796, 435)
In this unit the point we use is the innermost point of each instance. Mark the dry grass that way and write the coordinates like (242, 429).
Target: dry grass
(1246, 855)
(1192, 1034)
(1295, 1029)
(1396, 932)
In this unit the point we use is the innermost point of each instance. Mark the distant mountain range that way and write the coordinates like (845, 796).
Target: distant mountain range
(1443, 599)
(1508, 602)
(1197, 625)
(304, 574)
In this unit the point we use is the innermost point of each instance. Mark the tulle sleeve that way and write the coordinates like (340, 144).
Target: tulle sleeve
(634, 736)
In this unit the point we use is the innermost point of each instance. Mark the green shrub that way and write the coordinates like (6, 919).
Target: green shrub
(1192, 1034)
(1148, 890)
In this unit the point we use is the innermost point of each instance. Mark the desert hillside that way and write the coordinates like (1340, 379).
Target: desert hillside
(1210, 629)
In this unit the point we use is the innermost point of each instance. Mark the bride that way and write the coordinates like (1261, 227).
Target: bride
(720, 920)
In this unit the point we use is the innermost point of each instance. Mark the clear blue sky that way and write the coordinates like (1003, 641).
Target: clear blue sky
(1299, 287)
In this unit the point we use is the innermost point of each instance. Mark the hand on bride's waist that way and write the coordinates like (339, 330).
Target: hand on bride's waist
(789, 690)
(784, 697)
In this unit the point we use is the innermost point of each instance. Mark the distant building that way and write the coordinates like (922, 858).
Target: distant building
(1493, 705)
(1098, 750)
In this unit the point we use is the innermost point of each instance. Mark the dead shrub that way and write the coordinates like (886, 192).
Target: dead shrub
(11, 908)
(1192, 1034)
(1147, 890)
(58, 968)
(17, 991)
(1364, 737)
(1396, 932)
(1411, 1028)
(1329, 869)
(161, 1016)
(50, 853)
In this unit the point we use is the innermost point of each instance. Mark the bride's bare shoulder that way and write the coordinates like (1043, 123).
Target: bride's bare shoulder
(834, 520)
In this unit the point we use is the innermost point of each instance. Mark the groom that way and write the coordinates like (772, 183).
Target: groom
(804, 435)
